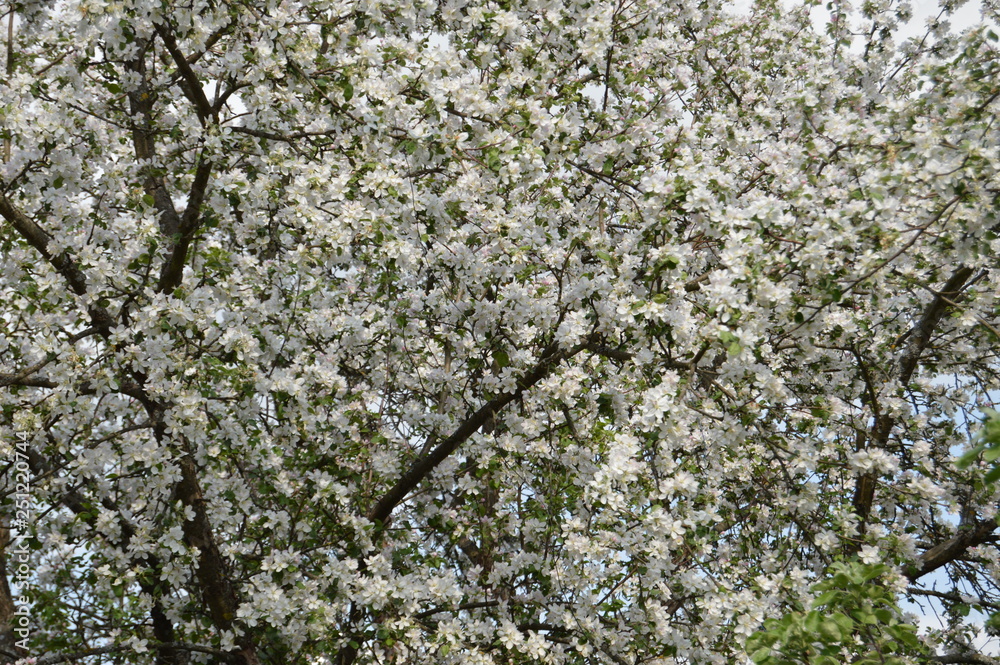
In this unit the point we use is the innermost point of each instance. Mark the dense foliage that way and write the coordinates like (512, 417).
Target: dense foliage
(848, 611)
(507, 331)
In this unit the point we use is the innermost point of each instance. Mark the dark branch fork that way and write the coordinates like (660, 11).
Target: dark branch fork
(918, 339)
(197, 531)
(968, 536)
(179, 229)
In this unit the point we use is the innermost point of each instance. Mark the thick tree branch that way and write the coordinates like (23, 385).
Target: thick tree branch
(215, 583)
(141, 101)
(28, 381)
(38, 239)
(919, 338)
(63, 263)
(192, 86)
(173, 268)
(421, 468)
(284, 138)
(103, 322)
(464, 607)
(920, 335)
(218, 591)
(610, 352)
(951, 549)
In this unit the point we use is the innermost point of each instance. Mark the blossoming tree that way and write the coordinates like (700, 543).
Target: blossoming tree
(519, 331)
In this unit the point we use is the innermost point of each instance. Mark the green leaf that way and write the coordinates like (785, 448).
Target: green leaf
(669, 263)
(883, 615)
(813, 619)
(910, 639)
(841, 580)
(845, 623)
(830, 631)
(501, 358)
(493, 159)
(874, 571)
(826, 598)
(992, 476)
(820, 413)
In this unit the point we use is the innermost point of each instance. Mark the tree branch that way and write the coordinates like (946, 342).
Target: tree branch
(219, 594)
(39, 239)
(173, 268)
(63, 263)
(422, 467)
(610, 352)
(952, 597)
(141, 104)
(920, 336)
(23, 380)
(284, 138)
(948, 551)
(77, 503)
(464, 607)
(192, 88)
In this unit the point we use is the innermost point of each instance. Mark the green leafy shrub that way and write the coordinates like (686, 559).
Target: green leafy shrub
(853, 619)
